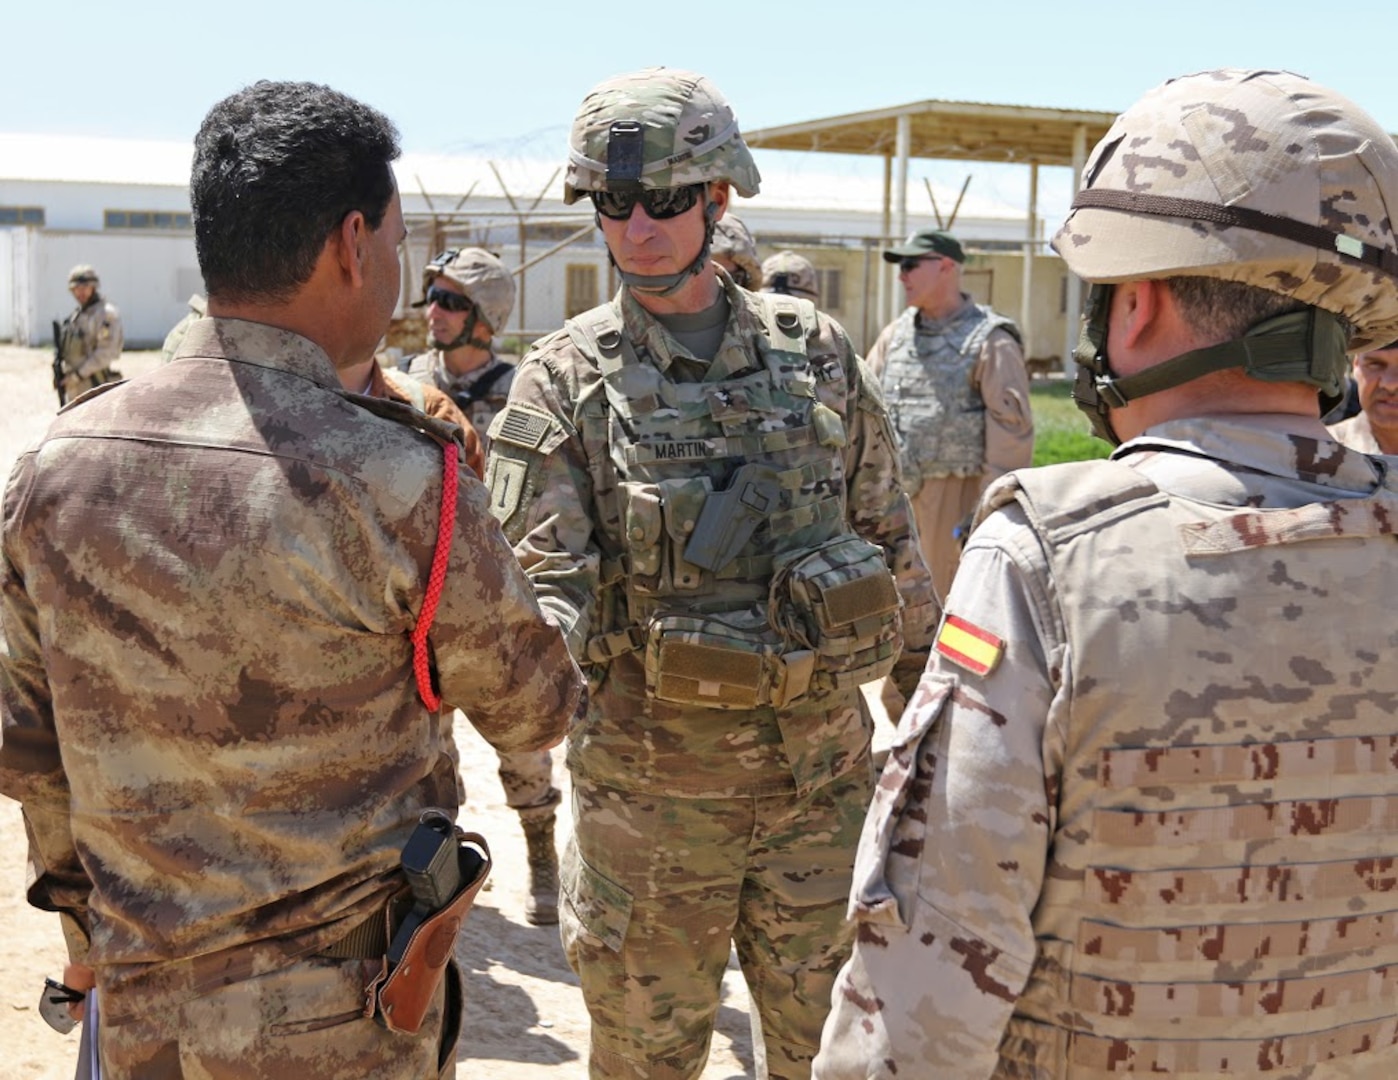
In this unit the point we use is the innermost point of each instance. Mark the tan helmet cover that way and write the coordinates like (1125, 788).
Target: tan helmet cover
(732, 239)
(690, 133)
(1280, 183)
(82, 274)
(799, 270)
(482, 277)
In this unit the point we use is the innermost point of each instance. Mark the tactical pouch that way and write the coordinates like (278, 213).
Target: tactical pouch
(840, 601)
(401, 1000)
(735, 663)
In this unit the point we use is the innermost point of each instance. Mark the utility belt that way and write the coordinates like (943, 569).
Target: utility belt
(414, 934)
(833, 620)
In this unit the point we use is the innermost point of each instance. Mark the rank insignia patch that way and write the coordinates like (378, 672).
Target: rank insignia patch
(968, 646)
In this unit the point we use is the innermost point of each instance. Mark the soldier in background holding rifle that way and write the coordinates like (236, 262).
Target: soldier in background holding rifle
(88, 342)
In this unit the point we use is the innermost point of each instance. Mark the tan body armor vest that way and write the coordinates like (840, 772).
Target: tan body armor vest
(937, 414)
(1222, 892)
(480, 401)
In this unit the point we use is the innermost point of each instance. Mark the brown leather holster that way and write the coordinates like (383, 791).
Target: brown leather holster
(400, 998)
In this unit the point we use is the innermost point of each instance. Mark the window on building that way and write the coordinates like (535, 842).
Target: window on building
(146, 219)
(580, 290)
(830, 286)
(979, 284)
(21, 215)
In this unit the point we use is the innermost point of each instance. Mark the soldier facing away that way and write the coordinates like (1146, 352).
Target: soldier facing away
(1138, 816)
(702, 484)
(469, 295)
(90, 338)
(220, 715)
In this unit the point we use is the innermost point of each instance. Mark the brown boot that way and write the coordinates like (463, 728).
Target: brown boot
(541, 908)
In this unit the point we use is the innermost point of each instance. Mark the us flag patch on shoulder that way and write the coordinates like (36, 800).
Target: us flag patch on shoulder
(967, 645)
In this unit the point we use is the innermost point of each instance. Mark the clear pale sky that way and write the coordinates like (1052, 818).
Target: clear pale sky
(503, 78)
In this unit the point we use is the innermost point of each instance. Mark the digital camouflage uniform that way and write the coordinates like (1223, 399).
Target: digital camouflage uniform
(480, 394)
(527, 779)
(396, 386)
(1138, 816)
(958, 397)
(1357, 434)
(207, 609)
(91, 344)
(694, 823)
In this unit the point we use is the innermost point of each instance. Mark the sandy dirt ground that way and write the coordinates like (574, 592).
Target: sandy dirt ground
(524, 1014)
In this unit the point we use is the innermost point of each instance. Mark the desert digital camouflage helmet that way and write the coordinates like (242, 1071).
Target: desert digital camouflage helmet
(482, 277)
(1259, 177)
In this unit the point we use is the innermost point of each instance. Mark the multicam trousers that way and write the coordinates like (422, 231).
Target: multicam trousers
(657, 888)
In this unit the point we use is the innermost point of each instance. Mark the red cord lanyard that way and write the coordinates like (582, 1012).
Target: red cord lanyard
(436, 579)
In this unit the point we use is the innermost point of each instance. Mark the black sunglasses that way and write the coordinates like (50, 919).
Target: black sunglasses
(659, 203)
(908, 264)
(448, 300)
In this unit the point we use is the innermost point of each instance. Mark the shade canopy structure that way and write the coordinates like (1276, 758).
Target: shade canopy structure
(952, 131)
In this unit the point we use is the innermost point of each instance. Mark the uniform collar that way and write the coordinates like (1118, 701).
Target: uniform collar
(243, 342)
(1269, 443)
(737, 351)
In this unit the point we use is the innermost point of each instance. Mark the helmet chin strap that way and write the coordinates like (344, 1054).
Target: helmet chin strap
(466, 337)
(1306, 346)
(667, 284)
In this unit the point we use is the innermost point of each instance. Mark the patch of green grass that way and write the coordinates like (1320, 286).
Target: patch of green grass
(1061, 432)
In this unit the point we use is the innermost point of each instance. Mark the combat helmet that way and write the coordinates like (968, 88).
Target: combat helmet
(787, 272)
(1259, 177)
(733, 241)
(657, 128)
(82, 274)
(483, 278)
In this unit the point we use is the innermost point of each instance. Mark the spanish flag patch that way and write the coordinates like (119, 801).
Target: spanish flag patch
(968, 646)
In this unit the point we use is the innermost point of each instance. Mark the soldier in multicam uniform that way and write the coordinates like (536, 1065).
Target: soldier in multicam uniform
(1374, 429)
(214, 717)
(791, 275)
(958, 392)
(734, 249)
(702, 484)
(468, 294)
(1139, 815)
(91, 336)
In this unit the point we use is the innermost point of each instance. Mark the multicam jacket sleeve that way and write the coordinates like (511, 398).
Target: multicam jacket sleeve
(879, 511)
(555, 538)
(954, 847)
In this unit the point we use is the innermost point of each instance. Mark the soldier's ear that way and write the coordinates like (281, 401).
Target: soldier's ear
(351, 243)
(718, 197)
